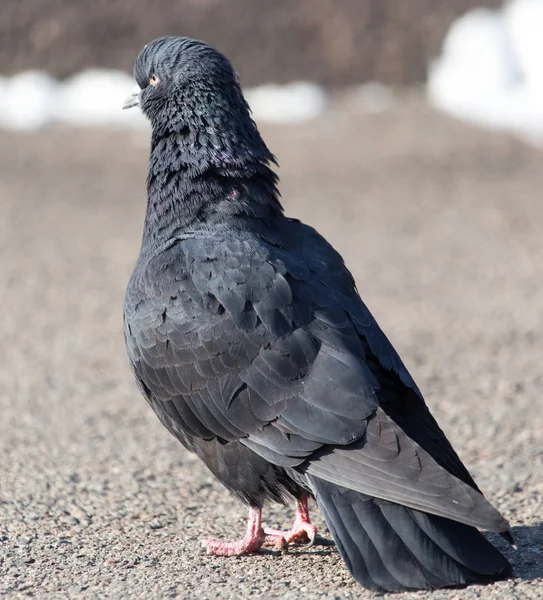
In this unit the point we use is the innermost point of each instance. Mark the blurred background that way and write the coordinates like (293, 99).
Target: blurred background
(326, 41)
(408, 133)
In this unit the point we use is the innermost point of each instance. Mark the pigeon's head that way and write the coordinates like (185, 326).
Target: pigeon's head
(185, 82)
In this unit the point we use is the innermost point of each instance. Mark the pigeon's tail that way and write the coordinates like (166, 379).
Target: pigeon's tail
(388, 547)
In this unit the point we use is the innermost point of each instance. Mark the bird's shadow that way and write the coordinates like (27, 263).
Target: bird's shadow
(527, 559)
(320, 542)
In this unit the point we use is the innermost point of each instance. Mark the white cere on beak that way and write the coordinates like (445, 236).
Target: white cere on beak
(133, 99)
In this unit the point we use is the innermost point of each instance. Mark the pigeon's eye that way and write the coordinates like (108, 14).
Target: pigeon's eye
(154, 80)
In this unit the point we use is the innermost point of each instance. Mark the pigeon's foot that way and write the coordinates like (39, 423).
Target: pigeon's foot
(255, 537)
(302, 532)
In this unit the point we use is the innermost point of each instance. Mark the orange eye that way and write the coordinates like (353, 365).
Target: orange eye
(154, 80)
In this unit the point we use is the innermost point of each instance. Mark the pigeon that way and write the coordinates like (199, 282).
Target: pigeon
(248, 338)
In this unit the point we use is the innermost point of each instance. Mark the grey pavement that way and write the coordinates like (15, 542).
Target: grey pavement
(442, 226)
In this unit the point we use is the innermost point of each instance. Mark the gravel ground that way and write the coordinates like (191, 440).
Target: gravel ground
(441, 225)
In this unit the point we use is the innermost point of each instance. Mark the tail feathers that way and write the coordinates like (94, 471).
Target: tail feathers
(388, 547)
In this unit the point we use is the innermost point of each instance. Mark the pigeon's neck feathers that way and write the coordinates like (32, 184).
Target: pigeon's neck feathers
(201, 174)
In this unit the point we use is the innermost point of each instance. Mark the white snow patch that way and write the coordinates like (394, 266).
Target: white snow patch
(297, 101)
(27, 100)
(94, 97)
(490, 69)
(524, 22)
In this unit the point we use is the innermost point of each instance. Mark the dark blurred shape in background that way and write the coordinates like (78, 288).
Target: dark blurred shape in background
(333, 42)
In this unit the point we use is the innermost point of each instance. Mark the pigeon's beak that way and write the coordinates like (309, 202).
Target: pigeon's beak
(133, 99)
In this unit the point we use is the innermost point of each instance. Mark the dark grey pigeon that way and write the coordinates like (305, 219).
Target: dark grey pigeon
(249, 340)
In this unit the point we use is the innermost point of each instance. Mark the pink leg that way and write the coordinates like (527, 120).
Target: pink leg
(252, 541)
(303, 531)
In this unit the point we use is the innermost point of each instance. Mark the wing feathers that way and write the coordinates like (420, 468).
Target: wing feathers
(390, 466)
(251, 342)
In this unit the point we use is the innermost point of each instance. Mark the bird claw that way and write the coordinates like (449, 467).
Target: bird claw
(302, 532)
(276, 540)
(246, 545)
(235, 548)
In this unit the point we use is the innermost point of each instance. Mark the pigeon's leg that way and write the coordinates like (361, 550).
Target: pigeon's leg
(303, 531)
(252, 541)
